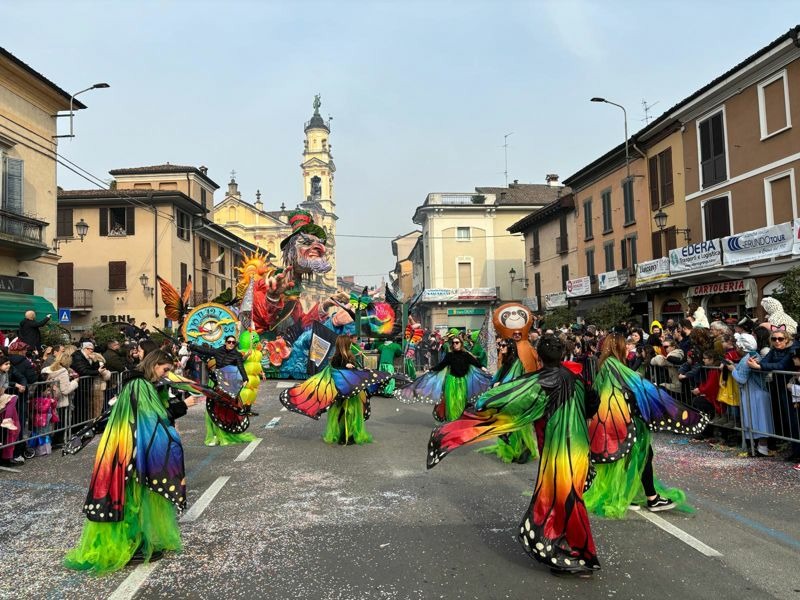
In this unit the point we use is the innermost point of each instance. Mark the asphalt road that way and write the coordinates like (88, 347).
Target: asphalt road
(298, 519)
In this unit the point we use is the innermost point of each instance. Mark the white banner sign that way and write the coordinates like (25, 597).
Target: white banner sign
(532, 303)
(452, 294)
(796, 232)
(579, 287)
(608, 280)
(758, 244)
(555, 300)
(652, 270)
(702, 255)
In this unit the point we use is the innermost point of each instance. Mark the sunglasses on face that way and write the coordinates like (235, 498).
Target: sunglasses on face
(230, 341)
(778, 339)
(456, 343)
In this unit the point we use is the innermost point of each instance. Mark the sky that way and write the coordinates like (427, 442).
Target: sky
(421, 92)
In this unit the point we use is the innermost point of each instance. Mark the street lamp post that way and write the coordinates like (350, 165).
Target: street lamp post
(96, 86)
(625, 116)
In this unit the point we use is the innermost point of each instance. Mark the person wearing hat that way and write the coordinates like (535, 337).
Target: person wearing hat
(29, 330)
(304, 250)
(87, 367)
(756, 409)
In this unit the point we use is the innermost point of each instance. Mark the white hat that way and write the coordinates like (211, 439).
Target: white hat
(746, 342)
(86, 345)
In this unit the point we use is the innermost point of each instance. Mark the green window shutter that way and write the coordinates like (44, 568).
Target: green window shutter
(13, 179)
(103, 221)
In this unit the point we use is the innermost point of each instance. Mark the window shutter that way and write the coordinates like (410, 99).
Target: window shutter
(130, 228)
(64, 222)
(103, 221)
(634, 256)
(65, 284)
(184, 276)
(652, 168)
(657, 251)
(623, 248)
(13, 184)
(117, 275)
(671, 238)
(667, 192)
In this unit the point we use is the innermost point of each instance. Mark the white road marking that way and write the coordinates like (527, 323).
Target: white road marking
(282, 385)
(248, 450)
(273, 423)
(204, 500)
(679, 533)
(284, 409)
(10, 470)
(128, 588)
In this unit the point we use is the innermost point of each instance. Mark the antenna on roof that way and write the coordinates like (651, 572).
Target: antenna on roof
(646, 107)
(505, 150)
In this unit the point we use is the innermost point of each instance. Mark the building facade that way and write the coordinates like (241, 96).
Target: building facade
(402, 275)
(28, 254)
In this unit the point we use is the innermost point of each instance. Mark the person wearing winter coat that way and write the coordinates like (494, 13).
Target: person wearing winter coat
(697, 314)
(63, 387)
(29, 330)
(672, 359)
(655, 340)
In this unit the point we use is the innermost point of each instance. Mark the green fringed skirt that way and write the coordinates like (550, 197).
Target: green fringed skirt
(617, 485)
(346, 421)
(388, 389)
(216, 436)
(149, 521)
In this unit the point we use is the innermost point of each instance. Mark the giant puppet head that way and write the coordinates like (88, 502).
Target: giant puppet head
(304, 250)
(513, 320)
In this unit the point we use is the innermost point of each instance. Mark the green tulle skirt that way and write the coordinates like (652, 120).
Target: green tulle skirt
(518, 446)
(617, 485)
(346, 422)
(411, 370)
(216, 436)
(455, 396)
(388, 389)
(149, 521)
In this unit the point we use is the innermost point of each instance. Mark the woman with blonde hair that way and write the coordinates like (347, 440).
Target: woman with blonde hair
(63, 386)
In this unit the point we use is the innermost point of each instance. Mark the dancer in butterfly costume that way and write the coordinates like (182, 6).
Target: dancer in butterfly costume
(555, 529)
(619, 434)
(343, 392)
(457, 380)
(138, 484)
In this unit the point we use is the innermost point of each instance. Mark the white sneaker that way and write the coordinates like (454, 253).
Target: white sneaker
(213, 442)
(634, 507)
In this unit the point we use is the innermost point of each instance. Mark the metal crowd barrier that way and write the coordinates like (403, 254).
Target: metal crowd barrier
(86, 403)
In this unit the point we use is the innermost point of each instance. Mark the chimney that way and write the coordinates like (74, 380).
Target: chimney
(516, 182)
(502, 196)
(552, 179)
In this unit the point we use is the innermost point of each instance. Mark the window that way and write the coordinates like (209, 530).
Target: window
(562, 242)
(64, 223)
(711, 133)
(536, 253)
(66, 283)
(465, 275)
(537, 286)
(184, 276)
(587, 219)
(13, 180)
(204, 283)
(780, 199)
(606, 198)
(773, 105)
(117, 221)
(205, 249)
(222, 261)
(627, 201)
(660, 175)
(117, 279)
(184, 225)
(203, 198)
(671, 237)
(658, 252)
(564, 276)
(462, 234)
(590, 262)
(628, 252)
(716, 218)
(608, 248)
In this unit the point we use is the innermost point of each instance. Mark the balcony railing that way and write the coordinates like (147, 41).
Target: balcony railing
(82, 298)
(20, 226)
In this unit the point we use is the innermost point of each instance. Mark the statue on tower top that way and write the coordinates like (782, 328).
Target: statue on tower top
(317, 103)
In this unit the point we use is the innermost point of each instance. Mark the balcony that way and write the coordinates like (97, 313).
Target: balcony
(205, 264)
(82, 300)
(562, 245)
(22, 236)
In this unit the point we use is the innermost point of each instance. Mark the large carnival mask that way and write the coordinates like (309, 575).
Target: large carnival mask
(512, 320)
(306, 254)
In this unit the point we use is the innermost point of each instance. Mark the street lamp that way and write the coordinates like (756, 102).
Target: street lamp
(96, 86)
(144, 280)
(661, 222)
(625, 115)
(513, 275)
(82, 227)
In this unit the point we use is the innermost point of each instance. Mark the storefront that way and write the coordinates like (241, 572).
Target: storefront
(728, 298)
(459, 308)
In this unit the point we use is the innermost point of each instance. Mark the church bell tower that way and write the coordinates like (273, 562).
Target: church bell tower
(318, 170)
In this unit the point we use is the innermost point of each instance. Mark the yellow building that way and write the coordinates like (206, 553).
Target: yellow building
(28, 103)
(151, 222)
(267, 228)
(403, 273)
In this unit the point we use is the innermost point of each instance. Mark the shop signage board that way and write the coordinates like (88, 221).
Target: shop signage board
(457, 312)
(555, 300)
(532, 303)
(721, 287)
(652, 270)
(758, 244)
(579, 287)
(609, 280)
(455, 294)
(696, 257)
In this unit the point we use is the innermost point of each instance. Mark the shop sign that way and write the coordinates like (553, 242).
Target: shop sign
(454, 294)
(723, 287)
(532, 303)
(457, 312)
(609, 280)
(555, 300)
(579, 287)
(695, 257)
(16, 285)
(758, 244)
(652, 270)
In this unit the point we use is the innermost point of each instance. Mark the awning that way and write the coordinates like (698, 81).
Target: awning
(13, 307)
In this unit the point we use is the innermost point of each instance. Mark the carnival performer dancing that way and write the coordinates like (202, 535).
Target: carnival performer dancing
(555, 529)
(387, 353)
(518, 446)
(451, 384)
(343, 392)
(630, 408)
(138, 483)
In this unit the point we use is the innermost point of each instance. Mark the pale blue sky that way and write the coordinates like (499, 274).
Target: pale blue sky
(421, 92)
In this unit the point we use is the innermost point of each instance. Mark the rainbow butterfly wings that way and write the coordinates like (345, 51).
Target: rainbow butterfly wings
(611, 430)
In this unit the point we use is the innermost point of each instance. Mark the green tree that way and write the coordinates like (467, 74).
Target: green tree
(609, 313)
(102, 333)
(54, 334)
(789, 294)
(563, 315)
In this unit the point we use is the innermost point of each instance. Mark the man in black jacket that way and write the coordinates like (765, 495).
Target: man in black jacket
(29, 330)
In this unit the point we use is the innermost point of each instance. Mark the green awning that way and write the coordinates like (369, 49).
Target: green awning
(13, 307)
